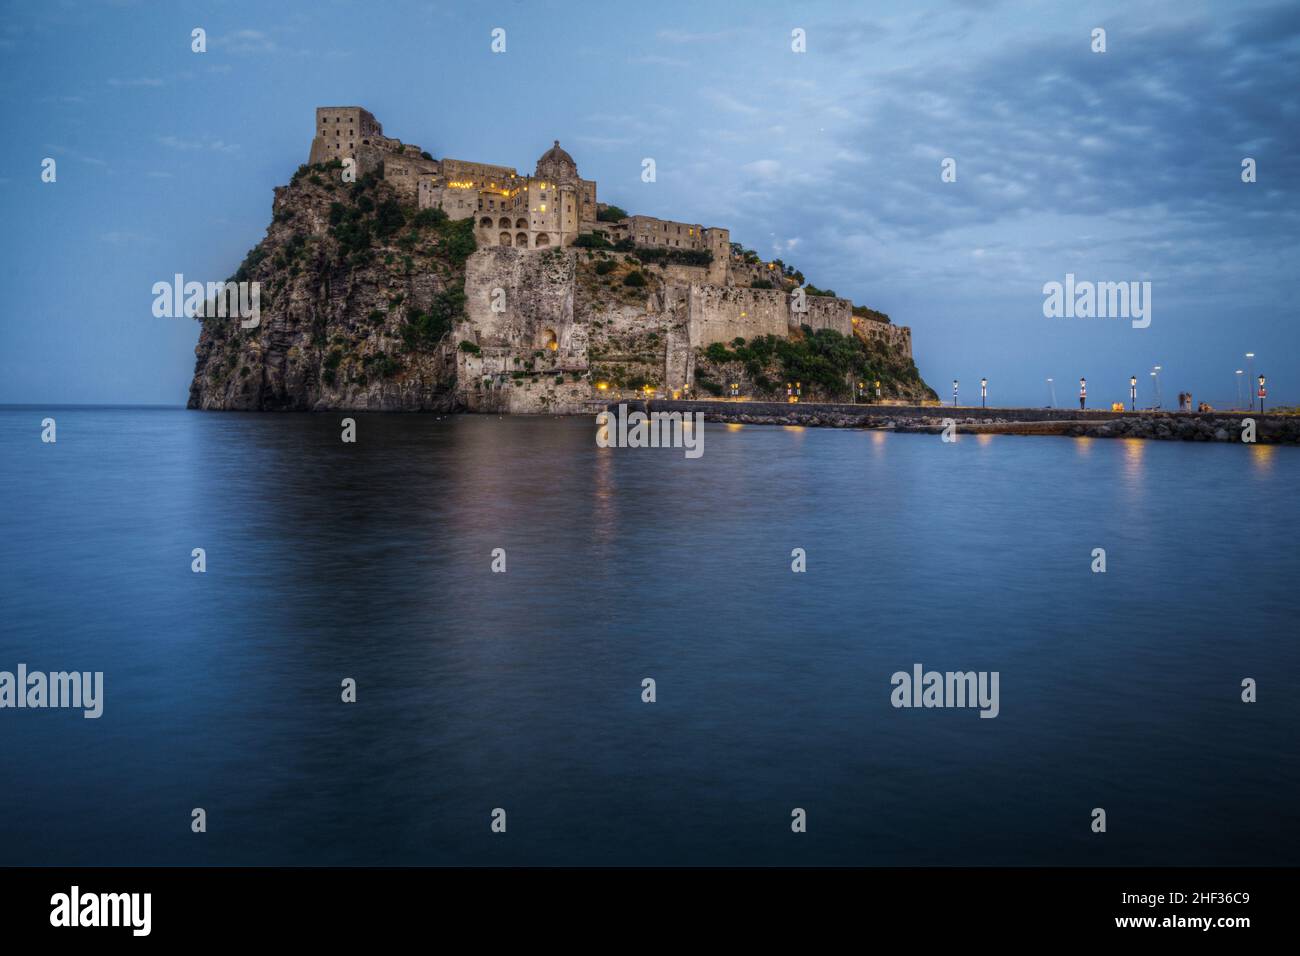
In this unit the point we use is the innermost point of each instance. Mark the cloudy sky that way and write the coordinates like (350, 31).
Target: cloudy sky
(1115, 166)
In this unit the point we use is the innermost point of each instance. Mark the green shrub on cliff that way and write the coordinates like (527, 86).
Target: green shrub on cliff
(389, 217)
(428, 328)
(824, 359)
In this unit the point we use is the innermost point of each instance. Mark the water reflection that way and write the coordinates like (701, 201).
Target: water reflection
(1261, 457)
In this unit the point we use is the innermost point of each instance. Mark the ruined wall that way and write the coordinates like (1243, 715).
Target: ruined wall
(884, 334)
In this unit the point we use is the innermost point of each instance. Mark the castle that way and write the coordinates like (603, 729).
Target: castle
(550, 208)
(545, 350)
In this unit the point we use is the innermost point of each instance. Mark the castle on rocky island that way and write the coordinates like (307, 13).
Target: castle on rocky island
(545, 329)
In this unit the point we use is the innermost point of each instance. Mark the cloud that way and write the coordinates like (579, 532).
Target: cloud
(123, 237)
(683, 36)
(732, 105)
(763, 168)
(143, 81)
(198, 145)
(74, 154)
(245, 43)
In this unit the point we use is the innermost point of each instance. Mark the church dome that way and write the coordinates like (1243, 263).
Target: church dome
(557, 164)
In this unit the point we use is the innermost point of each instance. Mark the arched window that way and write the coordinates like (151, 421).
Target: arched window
(486, 222)
(521, 223)
(542, 240)
(505, 239)
(547, 340)
(504, 223)
(522, 240)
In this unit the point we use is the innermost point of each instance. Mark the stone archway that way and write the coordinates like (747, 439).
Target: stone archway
(504, 239)
(542, 240)
(547, 340)
(504, 223)
(521, 240)
(521, 223)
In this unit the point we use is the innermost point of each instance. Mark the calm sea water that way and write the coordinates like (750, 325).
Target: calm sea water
(522, 690)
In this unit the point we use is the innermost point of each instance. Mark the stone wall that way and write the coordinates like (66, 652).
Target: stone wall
(724, 313)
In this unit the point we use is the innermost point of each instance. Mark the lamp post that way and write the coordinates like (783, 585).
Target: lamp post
(877, 391)
(1156, 372)
(954, 393)
(984, 392)
(1250, 370)
(1133, 393)
(1051, 391)
(1262, 392)
(861, 393)
(1239, 388)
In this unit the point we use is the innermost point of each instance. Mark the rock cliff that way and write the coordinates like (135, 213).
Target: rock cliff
(358, 295)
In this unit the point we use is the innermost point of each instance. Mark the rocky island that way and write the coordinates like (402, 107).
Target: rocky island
(391, 280)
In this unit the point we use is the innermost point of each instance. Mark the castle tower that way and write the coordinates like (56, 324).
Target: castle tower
(345, 131)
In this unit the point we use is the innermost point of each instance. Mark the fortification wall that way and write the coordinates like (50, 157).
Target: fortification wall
(723, 313)
(826, 313)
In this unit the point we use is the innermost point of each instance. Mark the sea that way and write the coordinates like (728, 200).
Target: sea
(558, 654)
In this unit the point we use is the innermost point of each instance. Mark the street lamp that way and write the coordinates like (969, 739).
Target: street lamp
(1250, 369)
(1262, 392)
(954, 393)
(877, 391)
(1239, 388)
(1051, 391)
(984, 392)
(1156, 373)
(1133, 393)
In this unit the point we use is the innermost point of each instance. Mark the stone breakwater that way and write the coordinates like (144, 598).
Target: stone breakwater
(1166, 426)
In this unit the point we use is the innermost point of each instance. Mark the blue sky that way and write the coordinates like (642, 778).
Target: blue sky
(1115, 167)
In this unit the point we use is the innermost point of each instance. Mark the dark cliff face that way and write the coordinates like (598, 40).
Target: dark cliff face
(358, 297)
